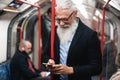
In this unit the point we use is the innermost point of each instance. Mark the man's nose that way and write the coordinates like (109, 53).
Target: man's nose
(61, 23)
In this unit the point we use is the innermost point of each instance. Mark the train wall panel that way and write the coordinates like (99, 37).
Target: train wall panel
(4, 23)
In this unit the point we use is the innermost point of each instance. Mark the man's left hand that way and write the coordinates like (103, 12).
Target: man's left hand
(61, 69)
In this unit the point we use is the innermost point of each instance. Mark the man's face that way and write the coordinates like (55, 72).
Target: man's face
(28, 48)
(64, 17)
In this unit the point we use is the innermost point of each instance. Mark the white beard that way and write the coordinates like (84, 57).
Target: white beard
(65, 33)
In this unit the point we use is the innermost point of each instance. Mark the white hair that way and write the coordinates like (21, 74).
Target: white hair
(66, 4)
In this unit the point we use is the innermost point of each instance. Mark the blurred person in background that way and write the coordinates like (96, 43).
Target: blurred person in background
(46, 27)
(116, 75)
(21, 66)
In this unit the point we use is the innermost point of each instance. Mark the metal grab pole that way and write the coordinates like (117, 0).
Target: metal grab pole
(53, 29)
(39, 37)
(39, 30)
(103, 22)
(102, 38)
(20, 29)
(52, 33)
(102, 35)
(114, 40)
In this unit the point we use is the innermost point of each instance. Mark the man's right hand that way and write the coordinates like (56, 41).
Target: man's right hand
(51, 62)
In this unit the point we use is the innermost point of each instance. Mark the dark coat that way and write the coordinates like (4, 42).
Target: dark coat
(84, 54)
(45, 26)
(19, 67)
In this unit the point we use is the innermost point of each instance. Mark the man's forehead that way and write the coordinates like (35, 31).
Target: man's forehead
(28, 43)
(61, 11)
(62, 14)
(64, 3)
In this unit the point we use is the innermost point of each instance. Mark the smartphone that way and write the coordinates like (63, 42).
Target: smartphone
(47, 65)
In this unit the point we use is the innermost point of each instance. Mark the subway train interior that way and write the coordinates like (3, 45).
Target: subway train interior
(22, 20)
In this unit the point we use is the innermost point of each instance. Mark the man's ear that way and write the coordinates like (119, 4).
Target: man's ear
(75, 13)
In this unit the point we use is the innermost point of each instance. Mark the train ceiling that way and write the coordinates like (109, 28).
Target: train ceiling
(4, 5)
(13, 6)
(114, 3)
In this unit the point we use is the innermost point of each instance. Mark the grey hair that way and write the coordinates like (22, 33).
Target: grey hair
(23, 43)
(66, 4)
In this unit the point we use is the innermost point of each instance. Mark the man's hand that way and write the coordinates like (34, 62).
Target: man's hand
(44, 74)
(61, 69)
(49, 64)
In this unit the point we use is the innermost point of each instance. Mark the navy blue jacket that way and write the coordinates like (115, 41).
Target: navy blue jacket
(84, 54)
(19, 67)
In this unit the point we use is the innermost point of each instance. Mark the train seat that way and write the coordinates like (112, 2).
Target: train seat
(5, 71)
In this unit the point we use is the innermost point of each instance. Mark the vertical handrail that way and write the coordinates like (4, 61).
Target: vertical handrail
(21, 35)
(103, 22)
(52, 33)
(102, 37)
(39, 37)
(114, 40)
(39, 29)
(98, 27)
(53, 29)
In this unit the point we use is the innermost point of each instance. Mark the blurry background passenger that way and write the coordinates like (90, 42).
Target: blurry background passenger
(116, 75)
(109, 66)
(21, 66)
(46, 26)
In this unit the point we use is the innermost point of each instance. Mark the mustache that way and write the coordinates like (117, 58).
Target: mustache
(65, 26)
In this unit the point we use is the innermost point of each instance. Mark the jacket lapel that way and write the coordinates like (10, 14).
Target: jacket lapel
(76, 37)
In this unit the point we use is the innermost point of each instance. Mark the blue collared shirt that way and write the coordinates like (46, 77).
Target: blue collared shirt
(64, 47)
